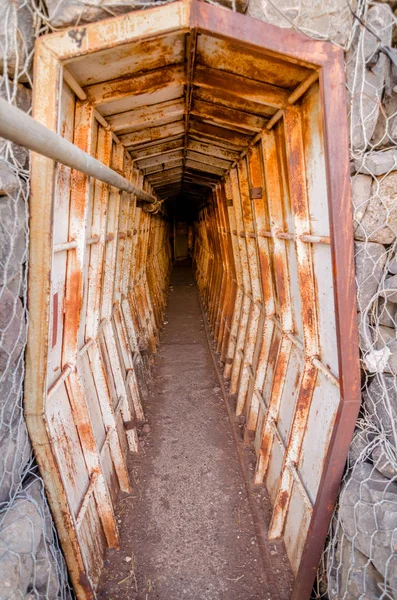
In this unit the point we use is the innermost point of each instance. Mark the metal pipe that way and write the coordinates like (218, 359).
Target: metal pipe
(18, 127)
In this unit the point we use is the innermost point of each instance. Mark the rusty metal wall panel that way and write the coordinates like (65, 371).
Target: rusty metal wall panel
(282, 351)
(95, 371)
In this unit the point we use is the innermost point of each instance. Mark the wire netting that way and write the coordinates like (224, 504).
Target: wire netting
(360, 559)
(31, 562)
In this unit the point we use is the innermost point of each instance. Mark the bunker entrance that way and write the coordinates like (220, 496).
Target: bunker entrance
(234, 135)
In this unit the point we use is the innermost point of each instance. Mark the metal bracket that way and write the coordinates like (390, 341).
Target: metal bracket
(256, 193)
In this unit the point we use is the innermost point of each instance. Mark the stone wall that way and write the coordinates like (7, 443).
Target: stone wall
(31, 563)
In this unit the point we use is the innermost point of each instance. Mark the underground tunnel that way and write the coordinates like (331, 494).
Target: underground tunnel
(227, 265)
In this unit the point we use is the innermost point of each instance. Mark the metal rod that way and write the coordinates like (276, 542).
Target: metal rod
(66, 246)
(18, 127)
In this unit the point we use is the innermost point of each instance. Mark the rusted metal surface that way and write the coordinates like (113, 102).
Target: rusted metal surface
(238, 117)
(291, 359)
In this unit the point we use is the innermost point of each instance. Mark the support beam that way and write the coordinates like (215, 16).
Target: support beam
(17, 127)
(135, 85)
(248, 89)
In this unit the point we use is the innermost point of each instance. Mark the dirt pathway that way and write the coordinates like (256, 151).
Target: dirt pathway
(187, 530)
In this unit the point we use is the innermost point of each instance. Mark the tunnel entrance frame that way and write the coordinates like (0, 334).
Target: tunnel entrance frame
(52, 54)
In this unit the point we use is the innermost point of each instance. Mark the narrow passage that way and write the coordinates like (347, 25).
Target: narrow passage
(186, 531)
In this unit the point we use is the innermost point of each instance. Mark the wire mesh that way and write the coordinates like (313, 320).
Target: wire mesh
(31, 563)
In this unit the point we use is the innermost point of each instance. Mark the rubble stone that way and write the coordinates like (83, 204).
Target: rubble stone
(366, 84)
(392, 265)
(75, 12)
(361, 186)
(21, 97)
(380, 401)
(379, 222)
(15, 453)
(369, 517)
(15, 448)
(12, 328)
(377, 163)
(45, 576)
(9, 181)
(370, 260)
(389, 289)
(382, 462)
(358, 444)
(331, 20)
(20, 535)
(386, 337)
(353, 576)
(387, 313)
(11, 388)
(237, 5)
(385, 133)
(16, 37)
(13, 238)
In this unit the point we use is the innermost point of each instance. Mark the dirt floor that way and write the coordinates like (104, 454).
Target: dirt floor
(193, 528)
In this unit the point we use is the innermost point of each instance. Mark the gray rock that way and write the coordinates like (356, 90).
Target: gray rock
(392, 265)
(13, 239)
(9, 181)
(386, 337)
(377, 163)
(238, 5)
(11, 392)
(15, 448)
(74, 12)
(370, 260)
(379, 221)
(12, 329)
(16, 37)
(20, 536)
(352, 575)
(380, 401)
(49, 575)
(361, 186)
(21, 97)
(45, 576)
(17, 284)
(385, 133)
(383, 346)
(385, 461)
(391, 366)
(386, 313)
(15, 454)
(331, 20)
(366, 84)
(389, 289)
(358, 446)
(255, 10)
(368, 511)
(378, 344)
(383, 335)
